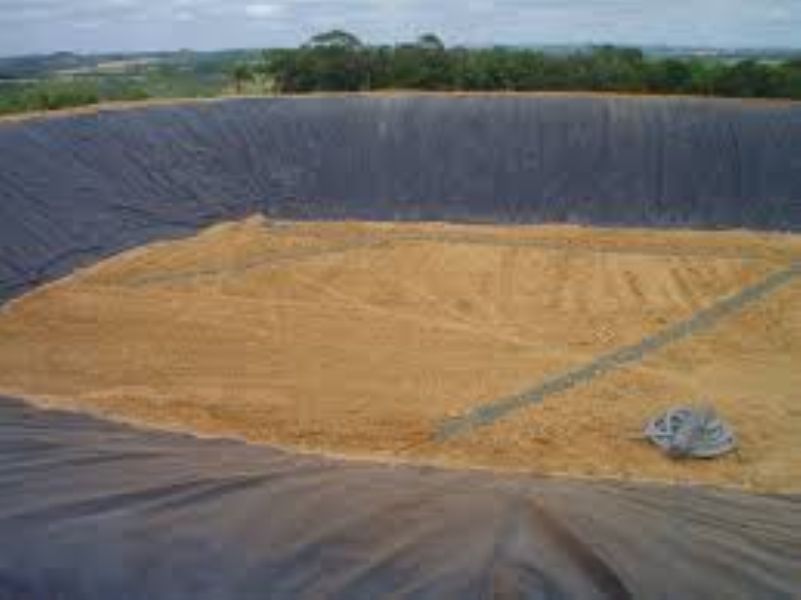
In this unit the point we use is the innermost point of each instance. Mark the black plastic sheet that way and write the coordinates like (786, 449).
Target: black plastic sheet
(94, 510)
(76, 188)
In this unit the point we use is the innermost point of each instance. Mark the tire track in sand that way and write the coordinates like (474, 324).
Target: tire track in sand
(705, 318)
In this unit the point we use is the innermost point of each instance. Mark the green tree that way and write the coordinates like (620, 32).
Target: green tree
(335, 38)
(337, 60)
(747, 79)
(671, 75)
(241, 73)
(430, 41)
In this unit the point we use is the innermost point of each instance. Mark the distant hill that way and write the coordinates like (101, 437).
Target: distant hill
(40, 66)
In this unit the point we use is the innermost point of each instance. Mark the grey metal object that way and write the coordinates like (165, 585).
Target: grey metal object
(691, 432)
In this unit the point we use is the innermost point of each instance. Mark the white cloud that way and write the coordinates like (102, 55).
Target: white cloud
(45, 25)
(262, 11)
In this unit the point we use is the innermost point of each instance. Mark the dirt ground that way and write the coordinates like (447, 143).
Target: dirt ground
(362, 338)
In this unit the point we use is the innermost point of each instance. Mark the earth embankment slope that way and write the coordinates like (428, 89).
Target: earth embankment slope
(91, 184)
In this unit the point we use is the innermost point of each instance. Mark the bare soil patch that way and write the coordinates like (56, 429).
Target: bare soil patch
(361, 338)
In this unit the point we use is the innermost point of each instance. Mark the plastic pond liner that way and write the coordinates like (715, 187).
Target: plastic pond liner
(94, 509)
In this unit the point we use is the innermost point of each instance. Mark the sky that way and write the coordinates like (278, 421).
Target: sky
(34, 26)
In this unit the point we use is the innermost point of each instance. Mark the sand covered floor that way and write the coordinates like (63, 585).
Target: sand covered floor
(364, 338)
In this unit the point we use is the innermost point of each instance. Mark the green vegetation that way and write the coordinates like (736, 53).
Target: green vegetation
(241, 73)
(45, 96)
(339, 61)
(65, 80)
(63, 93)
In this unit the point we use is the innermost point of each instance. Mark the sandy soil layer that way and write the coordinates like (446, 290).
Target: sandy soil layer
(362, 338)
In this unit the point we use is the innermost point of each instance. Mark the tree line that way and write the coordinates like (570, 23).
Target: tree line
(339, 61)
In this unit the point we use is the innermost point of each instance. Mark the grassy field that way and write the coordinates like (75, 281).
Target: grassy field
(65, 80)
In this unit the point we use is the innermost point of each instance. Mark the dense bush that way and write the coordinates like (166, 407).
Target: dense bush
(54, 94)
(339, 62)
(46, 96)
